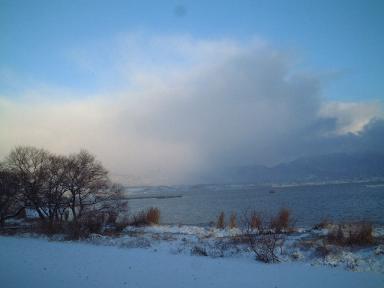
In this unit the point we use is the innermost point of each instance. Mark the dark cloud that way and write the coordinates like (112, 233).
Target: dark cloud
(251, 109)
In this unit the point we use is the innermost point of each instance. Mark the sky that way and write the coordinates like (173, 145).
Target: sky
(162, 90)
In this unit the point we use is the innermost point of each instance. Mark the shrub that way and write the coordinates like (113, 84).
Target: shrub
(255, 221)
(94, 220)
(264, 245)
(322, 250)
(364, 234)
(139, 219)
(90, 222)
(112, 217)
(232, 221)
(153, 215)
(222, 246)
(261, 240)
(199, 251)
(221, 221)
(282, 222)
(351, 234)
(335, 235)
(48, 227)
(144, 218)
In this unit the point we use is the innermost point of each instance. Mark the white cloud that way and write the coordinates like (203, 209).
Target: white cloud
(184, 106)
(352, 117)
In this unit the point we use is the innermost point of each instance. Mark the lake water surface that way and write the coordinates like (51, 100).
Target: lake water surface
(201, 204)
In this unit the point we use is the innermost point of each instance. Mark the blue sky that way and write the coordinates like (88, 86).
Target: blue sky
(342, 38)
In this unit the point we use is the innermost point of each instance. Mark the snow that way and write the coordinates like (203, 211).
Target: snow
(31, 213)
(31, 262)
(186, 230)
(302, 246)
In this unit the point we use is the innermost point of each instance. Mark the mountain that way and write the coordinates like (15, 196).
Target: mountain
(330, 167)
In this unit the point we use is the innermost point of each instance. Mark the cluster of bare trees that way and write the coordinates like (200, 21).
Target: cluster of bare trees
(59, 188)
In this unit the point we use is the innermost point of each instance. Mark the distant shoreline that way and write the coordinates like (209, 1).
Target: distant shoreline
(153, 197)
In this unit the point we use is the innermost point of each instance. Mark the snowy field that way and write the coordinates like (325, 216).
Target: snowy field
(163, 257)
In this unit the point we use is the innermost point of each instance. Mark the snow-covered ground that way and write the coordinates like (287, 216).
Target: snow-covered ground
(304, 246)
(173, 256)
(27, 262)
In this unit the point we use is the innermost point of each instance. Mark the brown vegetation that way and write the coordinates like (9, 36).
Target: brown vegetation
(283, 221)
(255, 221)
(153, 215)
(232, 221)
(221, 221)
(144, 218)
(359, 233)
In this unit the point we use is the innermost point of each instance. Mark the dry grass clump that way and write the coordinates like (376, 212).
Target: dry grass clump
(153, 215)
(145, 218)
(283, 221)
(359, 233)
(220, 224)
(232, 221)
(255, 221)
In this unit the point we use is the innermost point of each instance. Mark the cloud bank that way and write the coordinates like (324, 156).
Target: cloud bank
(180, 107)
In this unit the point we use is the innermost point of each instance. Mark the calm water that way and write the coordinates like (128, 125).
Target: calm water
(309, 204)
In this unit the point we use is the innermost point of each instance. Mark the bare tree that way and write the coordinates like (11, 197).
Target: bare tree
(10, 204)
(109, 203)
(54, 203)
(85, 180)
(30, 165)
(115, 202)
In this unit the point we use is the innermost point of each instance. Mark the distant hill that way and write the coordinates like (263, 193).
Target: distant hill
(330, 167)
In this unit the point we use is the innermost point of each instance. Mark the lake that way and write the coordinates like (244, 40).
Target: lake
(201, 204)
